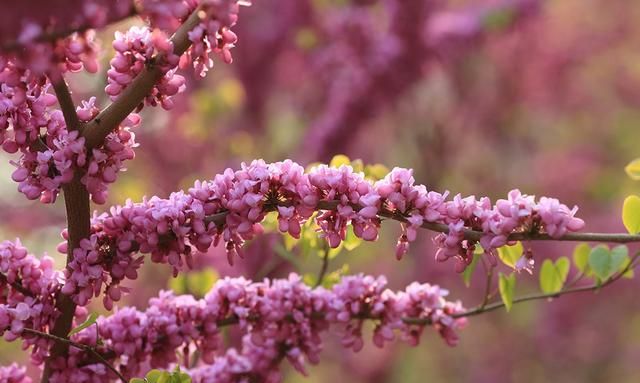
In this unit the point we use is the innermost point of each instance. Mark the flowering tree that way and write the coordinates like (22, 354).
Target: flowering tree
(78, 150)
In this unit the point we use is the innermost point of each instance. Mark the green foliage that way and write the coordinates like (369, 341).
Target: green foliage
(159, 376)
(90, 321)
(507, 287)
(339, 160)
(554, 275)
(468, 272)
(581, 257)
(197, 283)
(631, 214)
(605, 263)
(509, 255)
(633, 169)
(329, 280)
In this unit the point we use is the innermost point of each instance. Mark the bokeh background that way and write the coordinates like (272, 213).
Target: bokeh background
(478, 97)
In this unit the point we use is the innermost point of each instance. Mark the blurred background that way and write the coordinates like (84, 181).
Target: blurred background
(478, 97)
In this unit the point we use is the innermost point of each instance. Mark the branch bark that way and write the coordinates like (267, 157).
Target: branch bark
(76, 199)
(110, 117)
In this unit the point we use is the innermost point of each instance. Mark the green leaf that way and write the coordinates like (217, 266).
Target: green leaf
(631, 214)
(619, 258)
(507, 286)
(154, 376)
(339, 160)
(468, 272)
(357, 165)
(581, 257)
(90, 321)
(633, 169)
(554, 275)
(200, 282)
(375, 172)
(351, 241)
(509, 255)
(600, 262)
(136, 380)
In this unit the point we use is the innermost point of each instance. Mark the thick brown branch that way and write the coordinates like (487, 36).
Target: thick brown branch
(109, 118)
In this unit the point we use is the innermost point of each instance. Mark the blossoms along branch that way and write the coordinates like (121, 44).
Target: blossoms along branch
(79, 151)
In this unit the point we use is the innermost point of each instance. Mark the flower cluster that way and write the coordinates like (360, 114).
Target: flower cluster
(28, 287)
(134, 51)
(14, 374)
(50, 154)
(231, 206)
(282, 319)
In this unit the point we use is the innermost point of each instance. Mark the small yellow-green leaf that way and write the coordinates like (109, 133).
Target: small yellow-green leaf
(553, 275)
(581, 257)
(600, 262)
(136, 380)
(154, 376)
(376, 172)
(631, 214)
(90, 321)
(468, 272)
(357, 165)
(351, 241)
(339, 160)
(507, 286)
(509, 255)
(633, 169)
(200, 282)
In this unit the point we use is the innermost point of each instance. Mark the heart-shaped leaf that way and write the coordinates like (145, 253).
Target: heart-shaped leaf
(631, 214)
(581, 257)
(554, 275)
(507, 286)
(509, 255)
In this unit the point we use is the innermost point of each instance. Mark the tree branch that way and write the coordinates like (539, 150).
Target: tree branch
(66, 103)
(325, 265)
(110, 117)
(219, 219)
(494, 306)
(16, 286)
(76, 199)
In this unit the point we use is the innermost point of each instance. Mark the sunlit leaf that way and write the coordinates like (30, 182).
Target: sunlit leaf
(339, 160)
(633, 169)
(507, 286)
(351, 241)
(554, 275)
(468, 272)
(631, 214)
(376, 172)
(357, 165)
(581, 257)
(509, 255)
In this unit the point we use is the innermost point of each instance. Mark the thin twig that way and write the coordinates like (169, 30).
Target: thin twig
(84, 347)
(325, 265)
(474, 235)
(487, 288)
(66, 102)
(483, 309)
(16, 286)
